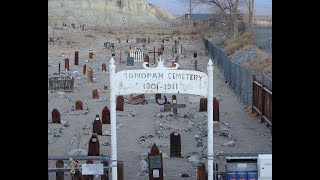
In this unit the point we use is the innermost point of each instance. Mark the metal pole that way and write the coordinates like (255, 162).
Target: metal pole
(210, 119)
(113, 120)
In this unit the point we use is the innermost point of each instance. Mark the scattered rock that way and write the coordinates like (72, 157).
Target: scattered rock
(194, 160)
(78, 152)
(231, 143)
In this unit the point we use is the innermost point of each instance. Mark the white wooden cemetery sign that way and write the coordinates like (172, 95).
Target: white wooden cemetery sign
(160, 80)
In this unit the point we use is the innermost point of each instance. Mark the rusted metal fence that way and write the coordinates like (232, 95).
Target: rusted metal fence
(254, 89)
(62, 167)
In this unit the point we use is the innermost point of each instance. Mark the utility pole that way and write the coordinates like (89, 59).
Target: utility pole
(190, 10)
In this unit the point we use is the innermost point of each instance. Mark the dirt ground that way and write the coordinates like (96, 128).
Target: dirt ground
(246, 133)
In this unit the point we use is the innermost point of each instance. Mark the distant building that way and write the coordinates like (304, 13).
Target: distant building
(197, 17)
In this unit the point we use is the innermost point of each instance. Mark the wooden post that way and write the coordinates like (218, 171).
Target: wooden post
(90, 54)
(201, 172)
(84, 69)
(196, 65)
(215, 109)
(59, 69)
(59, 175)
(105, 175)
(90, 79)
(66, 64)
(76, 58)
(120, 169)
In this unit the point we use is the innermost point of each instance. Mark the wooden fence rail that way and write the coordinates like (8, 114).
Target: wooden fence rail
(262, 102)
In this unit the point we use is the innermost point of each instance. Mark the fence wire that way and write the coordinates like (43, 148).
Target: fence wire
(239, 78)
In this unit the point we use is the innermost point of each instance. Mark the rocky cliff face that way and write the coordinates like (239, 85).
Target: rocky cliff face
(107, 13)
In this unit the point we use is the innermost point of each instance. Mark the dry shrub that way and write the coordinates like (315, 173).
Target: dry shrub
(193, 33)
(239, 42)
(176, 32)
(263, 62)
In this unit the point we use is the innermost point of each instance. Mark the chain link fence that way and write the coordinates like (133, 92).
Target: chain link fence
(263, 37)
(239, 78)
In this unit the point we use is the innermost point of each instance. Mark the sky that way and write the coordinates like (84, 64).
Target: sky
(181, 7)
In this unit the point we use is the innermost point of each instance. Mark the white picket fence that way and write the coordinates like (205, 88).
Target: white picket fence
(137, 55)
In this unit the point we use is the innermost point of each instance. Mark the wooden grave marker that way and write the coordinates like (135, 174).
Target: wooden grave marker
(84, 69)
(95, 94)
(66, 64)
(90, 54)
(174, 106)
(175, 145)
(97, 126)
(55, 115)
(155, 164)
(104, 67)
(79, 105)
(94, 146)
(120, 103)
(203, 107)
(201, 172)
(89, 74)
(76, 58)
(105, 115)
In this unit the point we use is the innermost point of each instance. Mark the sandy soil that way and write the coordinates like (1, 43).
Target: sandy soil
(248, 133)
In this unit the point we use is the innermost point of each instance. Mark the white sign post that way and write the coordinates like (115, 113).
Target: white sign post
(160, 80)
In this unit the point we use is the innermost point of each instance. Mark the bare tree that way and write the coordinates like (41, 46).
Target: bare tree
(250, 4)
(228, 9)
